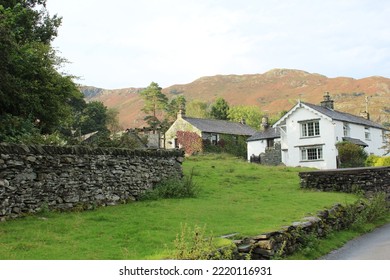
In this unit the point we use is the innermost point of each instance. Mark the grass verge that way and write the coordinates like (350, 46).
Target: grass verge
(234, 196)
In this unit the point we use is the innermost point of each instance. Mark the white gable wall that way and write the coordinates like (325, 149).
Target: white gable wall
(293, 141)
(256, 148)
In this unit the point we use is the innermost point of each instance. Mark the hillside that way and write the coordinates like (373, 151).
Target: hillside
(273, 91)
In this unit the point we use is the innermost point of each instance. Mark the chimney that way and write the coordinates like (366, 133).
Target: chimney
(264, 123)
(242, 121)
(181, 114)
(327, 102)
(365, 115)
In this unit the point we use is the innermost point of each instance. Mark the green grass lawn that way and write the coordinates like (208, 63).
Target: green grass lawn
(235, 197)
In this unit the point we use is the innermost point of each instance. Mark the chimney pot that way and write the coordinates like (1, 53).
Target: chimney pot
(327, 102)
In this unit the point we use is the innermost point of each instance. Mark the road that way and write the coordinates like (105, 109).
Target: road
(371, 246)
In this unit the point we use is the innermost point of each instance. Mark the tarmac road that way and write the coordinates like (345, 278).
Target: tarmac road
(371, 246)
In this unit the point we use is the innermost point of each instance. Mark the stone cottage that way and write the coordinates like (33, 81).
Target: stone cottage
(207, 129)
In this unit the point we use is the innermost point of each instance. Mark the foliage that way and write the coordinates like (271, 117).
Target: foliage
(375, 208)
(175, 105)
(173, 188)
(197, 109)
(154, 102)
(351, 155)
(196, 245)
(112, 120)
(250, 114)
(230, 144)
(374, 160)
(15, 129)
(93, 118)
(386, 147)
(220, 109)
(31, 87)
(190, 142)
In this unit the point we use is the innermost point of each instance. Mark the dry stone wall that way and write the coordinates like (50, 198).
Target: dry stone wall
(289, 239)
(64, 178)
(369, 180)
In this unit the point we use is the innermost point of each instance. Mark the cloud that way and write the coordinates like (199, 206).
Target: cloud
(131, 43)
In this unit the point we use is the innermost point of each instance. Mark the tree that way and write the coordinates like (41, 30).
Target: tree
(112, 120)
(31, 87)
(94, 118)
(197, 109)
(220, 109)
(154, 103)
(176, 104)
(250, 114)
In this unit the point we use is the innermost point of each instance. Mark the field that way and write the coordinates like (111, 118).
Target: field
(235, 197)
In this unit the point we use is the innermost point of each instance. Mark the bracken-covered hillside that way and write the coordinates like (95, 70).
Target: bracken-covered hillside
(273, 91)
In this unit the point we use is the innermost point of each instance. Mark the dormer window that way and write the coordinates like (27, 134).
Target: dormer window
(310, 128)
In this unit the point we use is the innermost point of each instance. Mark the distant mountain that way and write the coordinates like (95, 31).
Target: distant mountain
(273, 91)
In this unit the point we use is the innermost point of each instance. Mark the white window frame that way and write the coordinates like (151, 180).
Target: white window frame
(346, 130)
(311, 153)
(310, 129)
(367, 133)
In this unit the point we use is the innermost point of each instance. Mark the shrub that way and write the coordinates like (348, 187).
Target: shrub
(351, 155)
(234, 145)
(195, 245)
(373, 160)
(173, 188)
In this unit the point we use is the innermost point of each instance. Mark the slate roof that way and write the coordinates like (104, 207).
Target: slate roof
(269, 133)
(221, 126)
(355, 141)
(345, 117)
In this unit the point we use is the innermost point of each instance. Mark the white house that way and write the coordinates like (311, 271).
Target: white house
(263, 140)
(309, 133)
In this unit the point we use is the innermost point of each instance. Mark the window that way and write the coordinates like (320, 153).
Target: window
(310, 129)
(270, 143)
(311, 153)
(367, 133)
(214, 139)
(346, 130)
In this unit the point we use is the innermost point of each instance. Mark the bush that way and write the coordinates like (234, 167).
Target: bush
(173, 188)
(234, 145)
(195, 245)
(373, 160)
(371, 210)
(351, 155)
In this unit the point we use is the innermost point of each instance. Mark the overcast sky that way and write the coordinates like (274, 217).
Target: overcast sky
(130, 43)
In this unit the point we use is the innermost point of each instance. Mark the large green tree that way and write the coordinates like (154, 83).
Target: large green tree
(197, 109)
(31, 86)
(250, 114)
(175, 105)
(220, 109)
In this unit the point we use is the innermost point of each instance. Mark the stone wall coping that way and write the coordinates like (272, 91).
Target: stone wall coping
(6, 148)
(346, 170)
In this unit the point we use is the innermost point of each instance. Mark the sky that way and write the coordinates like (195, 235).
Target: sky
(131, 43)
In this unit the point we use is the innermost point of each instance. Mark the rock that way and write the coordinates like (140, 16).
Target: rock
(4, 183)
(31, 159)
